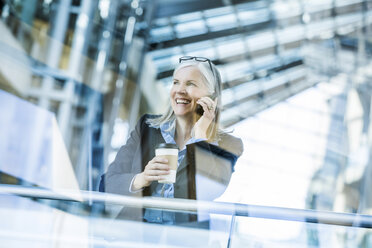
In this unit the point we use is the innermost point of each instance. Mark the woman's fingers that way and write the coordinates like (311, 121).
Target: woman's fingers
(158, 166)
(203, 105)
(209, 109)
(156, 169)
(154, 175)
(154, 178)
(158, 163)
(154, 172)
(207, 101)
(208, 104)
(159, 160)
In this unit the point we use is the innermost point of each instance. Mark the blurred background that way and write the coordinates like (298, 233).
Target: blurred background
(75, 76)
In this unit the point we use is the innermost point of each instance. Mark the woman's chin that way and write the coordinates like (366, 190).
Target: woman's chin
(184, 114)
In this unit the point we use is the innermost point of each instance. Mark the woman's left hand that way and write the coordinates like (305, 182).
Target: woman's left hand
(201, 126)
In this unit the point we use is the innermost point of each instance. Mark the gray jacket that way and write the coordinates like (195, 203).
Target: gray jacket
(140, 149)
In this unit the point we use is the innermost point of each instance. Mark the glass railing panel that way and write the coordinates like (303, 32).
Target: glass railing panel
(310, 151)
(44, 217)
(255, 232)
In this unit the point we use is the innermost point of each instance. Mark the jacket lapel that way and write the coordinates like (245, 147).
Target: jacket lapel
(183, 165)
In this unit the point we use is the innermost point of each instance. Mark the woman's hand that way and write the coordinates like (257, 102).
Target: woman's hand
(201, 126)
(154, 170)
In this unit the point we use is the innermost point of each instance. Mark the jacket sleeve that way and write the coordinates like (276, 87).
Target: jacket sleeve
(127, 163)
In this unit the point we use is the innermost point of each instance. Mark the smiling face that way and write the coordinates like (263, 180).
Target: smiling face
(188, 87)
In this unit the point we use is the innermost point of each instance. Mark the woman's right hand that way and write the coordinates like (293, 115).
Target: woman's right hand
(154, 171)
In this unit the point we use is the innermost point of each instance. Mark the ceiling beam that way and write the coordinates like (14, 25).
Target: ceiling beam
(167, 8)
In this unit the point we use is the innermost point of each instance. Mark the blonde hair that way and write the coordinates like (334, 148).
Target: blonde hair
(212, 80)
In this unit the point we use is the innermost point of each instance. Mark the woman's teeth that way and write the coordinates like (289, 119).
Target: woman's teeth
(181, 101)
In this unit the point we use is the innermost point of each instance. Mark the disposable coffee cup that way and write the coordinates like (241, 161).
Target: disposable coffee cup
(170, 152)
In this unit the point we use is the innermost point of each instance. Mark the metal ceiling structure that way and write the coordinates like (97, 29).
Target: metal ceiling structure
(257, 45)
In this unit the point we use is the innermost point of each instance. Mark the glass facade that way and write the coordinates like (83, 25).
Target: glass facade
(291, 167)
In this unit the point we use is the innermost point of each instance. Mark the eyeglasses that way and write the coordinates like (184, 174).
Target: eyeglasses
(199, 59)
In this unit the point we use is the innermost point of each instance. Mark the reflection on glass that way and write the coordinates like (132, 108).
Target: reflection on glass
(31, 148)
(295, 78)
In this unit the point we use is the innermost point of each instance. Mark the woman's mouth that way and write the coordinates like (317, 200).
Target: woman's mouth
(182, 101)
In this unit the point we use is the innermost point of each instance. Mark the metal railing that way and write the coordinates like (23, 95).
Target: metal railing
(195, 206)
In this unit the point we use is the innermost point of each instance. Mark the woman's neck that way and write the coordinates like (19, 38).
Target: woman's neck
(183, 132)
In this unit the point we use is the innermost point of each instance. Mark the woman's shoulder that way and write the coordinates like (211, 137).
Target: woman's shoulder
(146, 118)
(151, 116)
(231, 143)
(144, 122)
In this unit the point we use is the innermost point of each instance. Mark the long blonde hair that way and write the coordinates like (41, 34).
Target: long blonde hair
(212, 79)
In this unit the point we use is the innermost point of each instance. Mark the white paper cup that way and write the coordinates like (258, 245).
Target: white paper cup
(170, 152)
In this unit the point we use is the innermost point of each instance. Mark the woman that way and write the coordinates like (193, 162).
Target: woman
(192, 118)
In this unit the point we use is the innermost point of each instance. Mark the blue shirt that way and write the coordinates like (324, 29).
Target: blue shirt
(167, 190)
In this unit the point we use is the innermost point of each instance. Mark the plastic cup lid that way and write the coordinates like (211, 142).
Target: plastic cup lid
(167, 146)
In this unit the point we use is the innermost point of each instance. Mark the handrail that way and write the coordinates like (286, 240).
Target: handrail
(184, 205)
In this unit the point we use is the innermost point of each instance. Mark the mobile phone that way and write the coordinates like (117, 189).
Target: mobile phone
(199, 109)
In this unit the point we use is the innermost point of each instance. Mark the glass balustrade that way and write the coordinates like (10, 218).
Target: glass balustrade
(90, 219)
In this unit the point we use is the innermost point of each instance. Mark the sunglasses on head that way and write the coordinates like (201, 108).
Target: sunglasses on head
(199, 59)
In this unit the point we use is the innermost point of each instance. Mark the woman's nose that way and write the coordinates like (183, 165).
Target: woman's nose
(181, 89)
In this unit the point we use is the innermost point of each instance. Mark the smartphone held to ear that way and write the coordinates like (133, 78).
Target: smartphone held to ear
(199, 109)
